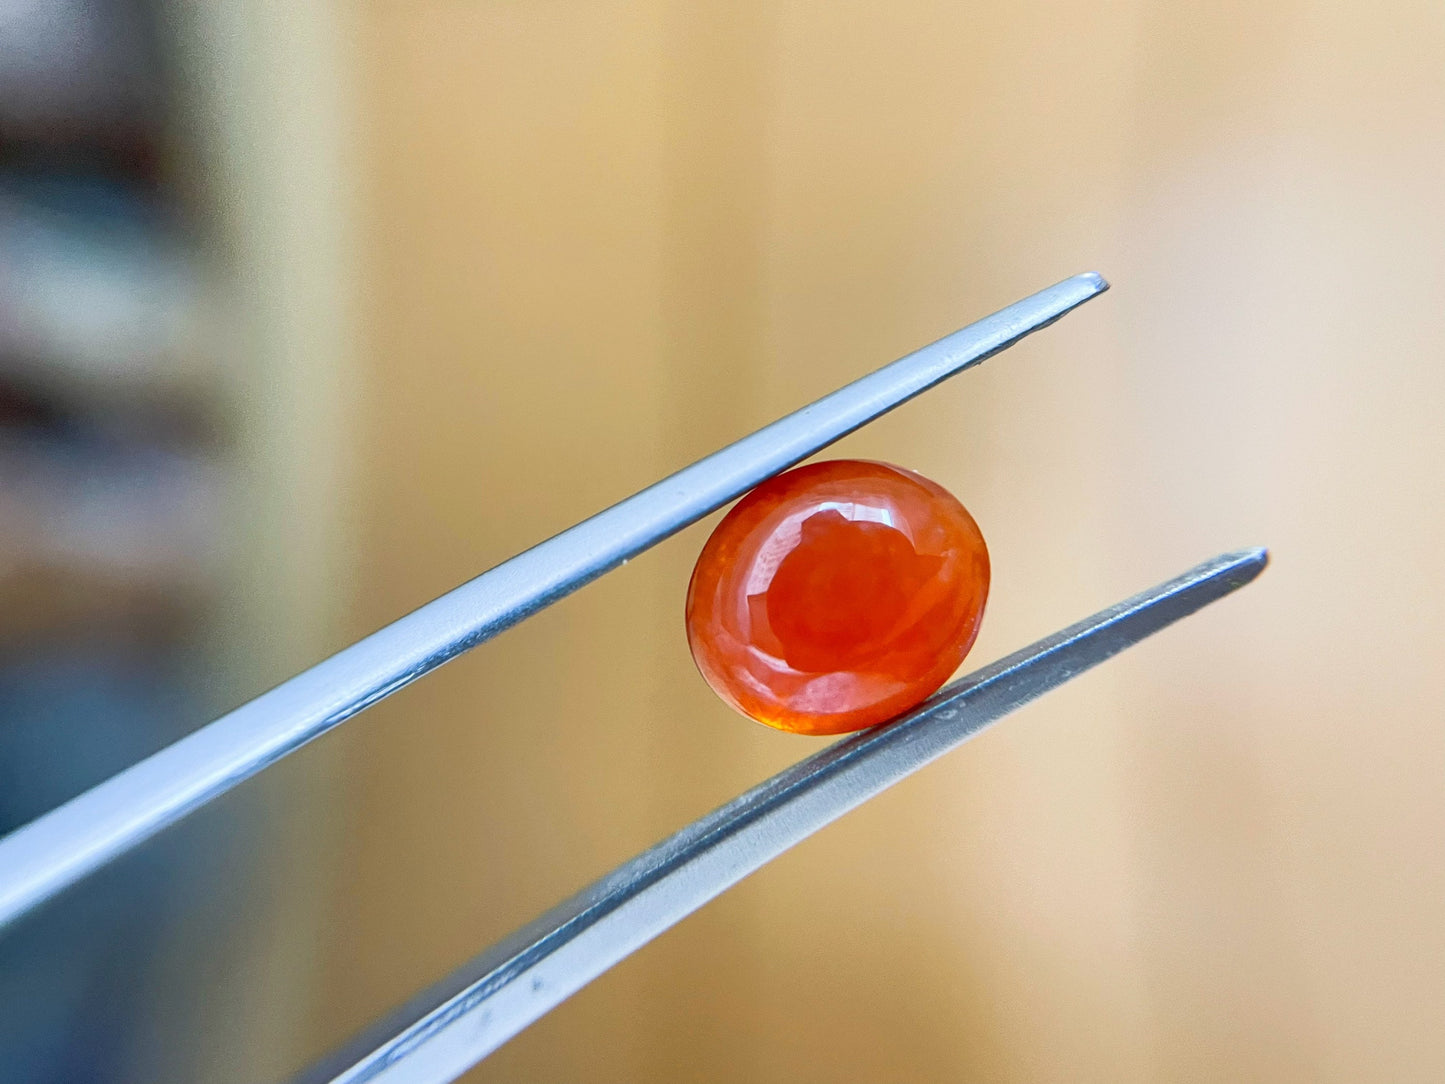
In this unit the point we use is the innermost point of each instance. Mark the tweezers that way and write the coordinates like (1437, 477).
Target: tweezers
(453, 1025)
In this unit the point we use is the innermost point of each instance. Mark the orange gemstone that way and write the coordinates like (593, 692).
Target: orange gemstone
(837, 596)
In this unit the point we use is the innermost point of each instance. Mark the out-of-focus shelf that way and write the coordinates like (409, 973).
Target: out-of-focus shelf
(145, 512)
(99, 294)
(81, 610)
(93, 536)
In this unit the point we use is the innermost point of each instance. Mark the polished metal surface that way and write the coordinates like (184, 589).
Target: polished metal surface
(456, 1023)
(57, 849)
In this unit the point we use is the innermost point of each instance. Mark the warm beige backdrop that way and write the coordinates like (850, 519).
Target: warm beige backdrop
(598, 240)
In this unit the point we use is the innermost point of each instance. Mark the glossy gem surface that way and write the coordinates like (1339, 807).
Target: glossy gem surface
(837, 595)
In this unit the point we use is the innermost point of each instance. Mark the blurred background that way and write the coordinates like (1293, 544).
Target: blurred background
(311, 311)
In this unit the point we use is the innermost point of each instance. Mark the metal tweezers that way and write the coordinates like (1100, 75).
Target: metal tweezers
(453, 1025)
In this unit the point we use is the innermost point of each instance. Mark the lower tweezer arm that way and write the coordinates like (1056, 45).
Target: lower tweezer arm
(449, 1028)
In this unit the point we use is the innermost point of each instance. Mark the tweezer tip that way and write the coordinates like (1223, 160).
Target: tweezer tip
(1244, 565)
(1095, 280)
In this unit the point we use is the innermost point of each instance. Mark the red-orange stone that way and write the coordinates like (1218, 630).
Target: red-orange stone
(836, 596)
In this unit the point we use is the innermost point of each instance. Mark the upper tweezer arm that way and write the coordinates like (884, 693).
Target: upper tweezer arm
(452, 1026)
(57, 849)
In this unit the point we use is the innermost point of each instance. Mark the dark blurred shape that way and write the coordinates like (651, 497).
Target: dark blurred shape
(81, 84)
(100, 294)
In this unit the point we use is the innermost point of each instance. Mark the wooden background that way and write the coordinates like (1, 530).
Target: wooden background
(595, 241)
